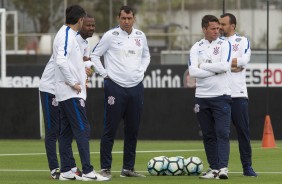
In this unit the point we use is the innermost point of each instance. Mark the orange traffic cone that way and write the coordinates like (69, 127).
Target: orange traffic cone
(268, 140)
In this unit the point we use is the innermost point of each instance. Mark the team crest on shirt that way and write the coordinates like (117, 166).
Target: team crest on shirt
(137, 42)
(54, 102)
(197, 108)
(111, 100)
(235, 47)
(238, 39)
(215, 50)
(82, 103)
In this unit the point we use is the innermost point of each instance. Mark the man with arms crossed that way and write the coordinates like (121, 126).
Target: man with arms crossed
(209, 64)
(240, 55)
(126, 56)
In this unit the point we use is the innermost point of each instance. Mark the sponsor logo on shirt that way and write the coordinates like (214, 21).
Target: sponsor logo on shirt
(138, 33)
(131, 52)
(115, 33)
(220, 42)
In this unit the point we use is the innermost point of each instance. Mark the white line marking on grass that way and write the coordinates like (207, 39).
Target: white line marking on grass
(121, 152)
(96, 152)
(31, 170)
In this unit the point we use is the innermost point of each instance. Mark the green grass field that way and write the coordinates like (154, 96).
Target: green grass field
(24, 162)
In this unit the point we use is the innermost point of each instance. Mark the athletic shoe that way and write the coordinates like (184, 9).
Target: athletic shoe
(77, 172)
(223, 173)
(210, 174)
(69, 176)
(93, 176)
(55, 173)
(130, 173)
(248, 171)
(106, 173)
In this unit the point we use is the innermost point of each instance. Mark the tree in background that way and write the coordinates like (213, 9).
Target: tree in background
(44, 14)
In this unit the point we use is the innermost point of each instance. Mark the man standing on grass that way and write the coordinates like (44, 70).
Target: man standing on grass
(240, 55)
(209, 64)
(50, 105)
(70, 92)
(126, 55)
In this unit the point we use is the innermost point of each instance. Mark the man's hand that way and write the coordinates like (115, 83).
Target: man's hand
(77, 88)
(89, 72)
(236, 69)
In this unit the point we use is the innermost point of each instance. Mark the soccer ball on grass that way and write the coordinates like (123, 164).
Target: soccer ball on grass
(156, 166)
(175, 166)
(193, 166)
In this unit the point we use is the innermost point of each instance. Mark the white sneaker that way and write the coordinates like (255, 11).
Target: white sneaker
(69, 176)
(93, 176)
(223, 173)
(210, 174)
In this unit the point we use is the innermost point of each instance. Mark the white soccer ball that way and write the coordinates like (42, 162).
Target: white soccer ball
(175, 166)
(193, 166)
(156, 166)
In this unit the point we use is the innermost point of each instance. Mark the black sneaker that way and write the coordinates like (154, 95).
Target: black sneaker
(56, 175)
(106, 173)
(249, 171)
(130, 173)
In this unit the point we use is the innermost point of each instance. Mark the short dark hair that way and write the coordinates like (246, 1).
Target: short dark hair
(89, 16)
(73, 13)
(126, 9)
(207, 19)
(232, 18)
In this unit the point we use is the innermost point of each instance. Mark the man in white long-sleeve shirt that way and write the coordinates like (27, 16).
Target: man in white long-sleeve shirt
(70, 92)
(50, 105)
(209, 64)
(126, 58)
(240, 55)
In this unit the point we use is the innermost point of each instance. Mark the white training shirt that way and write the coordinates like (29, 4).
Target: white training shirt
(47, 81)
(69, 66)
(83, 44)
(126, 56)
(242, 51)
(215, 62)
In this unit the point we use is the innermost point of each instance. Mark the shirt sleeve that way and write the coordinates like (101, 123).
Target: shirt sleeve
(193, 63)
(64, 50)
(99, 50)
(145, 55)
(225, 61)
(246, 54)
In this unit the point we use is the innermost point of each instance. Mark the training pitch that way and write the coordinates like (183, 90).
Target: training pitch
(24, 162)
